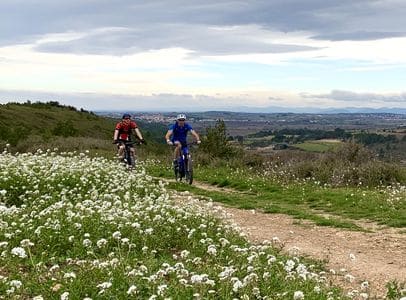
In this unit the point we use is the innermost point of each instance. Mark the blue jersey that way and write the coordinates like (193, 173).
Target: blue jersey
(180, 133)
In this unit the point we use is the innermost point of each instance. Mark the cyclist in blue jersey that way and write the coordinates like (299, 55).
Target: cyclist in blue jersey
(177, 135)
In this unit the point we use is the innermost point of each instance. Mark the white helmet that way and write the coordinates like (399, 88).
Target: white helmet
(181, 117)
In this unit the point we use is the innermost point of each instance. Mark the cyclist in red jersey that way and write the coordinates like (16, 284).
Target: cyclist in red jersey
(123, 132)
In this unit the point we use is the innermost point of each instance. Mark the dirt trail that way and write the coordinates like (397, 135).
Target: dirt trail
(377, 257)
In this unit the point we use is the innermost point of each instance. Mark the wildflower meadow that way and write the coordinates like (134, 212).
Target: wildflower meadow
(76, 227)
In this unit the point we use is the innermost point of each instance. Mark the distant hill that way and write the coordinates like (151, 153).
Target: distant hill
(316, 110)
(20, 120)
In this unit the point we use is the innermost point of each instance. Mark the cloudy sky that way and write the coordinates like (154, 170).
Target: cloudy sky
(204, 54)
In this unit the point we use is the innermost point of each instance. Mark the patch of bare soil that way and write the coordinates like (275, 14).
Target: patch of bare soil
(353, 257)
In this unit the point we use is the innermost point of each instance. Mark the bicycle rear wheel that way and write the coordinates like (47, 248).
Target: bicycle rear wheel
(130, 159)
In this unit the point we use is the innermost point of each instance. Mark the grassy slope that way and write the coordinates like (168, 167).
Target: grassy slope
(40, 119)
(316, 146)
(338, 207)
(28, 127)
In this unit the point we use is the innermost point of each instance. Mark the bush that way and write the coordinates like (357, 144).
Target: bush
(216, 143)
(351, 153)
(65, 129)
(352, 164)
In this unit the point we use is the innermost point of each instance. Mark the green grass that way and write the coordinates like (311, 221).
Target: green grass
(301, 200)
(316, 146)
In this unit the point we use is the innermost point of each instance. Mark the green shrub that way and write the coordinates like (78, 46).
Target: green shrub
(216, 143)
(351, 164)
(65, 129)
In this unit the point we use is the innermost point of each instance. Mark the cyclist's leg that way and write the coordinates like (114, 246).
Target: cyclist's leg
(132, 153)
(132, 150)
(178, 147)
(120, 152)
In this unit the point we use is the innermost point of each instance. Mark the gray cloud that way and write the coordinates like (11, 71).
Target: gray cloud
(125, 41)
(179, 23)
(358, 35)
(359, 97)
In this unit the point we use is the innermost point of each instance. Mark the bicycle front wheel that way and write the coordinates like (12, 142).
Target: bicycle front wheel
(189, 171)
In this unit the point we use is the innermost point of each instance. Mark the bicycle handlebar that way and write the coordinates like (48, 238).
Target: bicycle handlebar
(187, 144)
(130, 142)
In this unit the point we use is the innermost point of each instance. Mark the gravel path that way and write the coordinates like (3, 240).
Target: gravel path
(353, 257)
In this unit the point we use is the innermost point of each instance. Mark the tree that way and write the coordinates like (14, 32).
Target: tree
(216, 142)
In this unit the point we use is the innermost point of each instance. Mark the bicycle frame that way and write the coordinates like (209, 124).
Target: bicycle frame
(184, 168)
(128, 158)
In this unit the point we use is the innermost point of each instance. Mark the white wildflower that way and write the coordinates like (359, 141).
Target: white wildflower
(65, 296)
(53, 268)
(196, 278)
(211, 249)
(224, 242)
(298, 295)
(364, 285)
(349, 278)
(271, 259)
(290, 264)
(184, 254)
(69, 275)
(161, 289)
(15, 283)
(87, 243)
(26, 243)
(136, 225)
(18, 251)
(117, 235)
(101, 243)
(237, 285)
(132, 290)
(104, 285)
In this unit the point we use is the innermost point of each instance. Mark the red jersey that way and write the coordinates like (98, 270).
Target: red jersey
(124, 129)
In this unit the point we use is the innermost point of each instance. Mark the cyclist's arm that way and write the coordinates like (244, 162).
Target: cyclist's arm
(138, 132)
(115, 137)
(194, 133)
(168, 134)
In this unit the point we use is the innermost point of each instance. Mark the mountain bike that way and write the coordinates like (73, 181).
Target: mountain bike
(129, 159)
(183, 168)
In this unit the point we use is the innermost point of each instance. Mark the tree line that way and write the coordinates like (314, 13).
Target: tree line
(288, 135)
